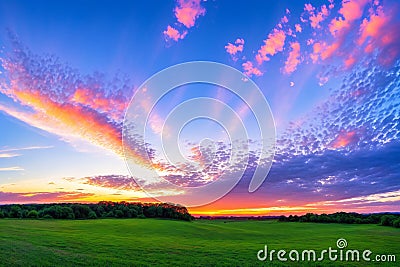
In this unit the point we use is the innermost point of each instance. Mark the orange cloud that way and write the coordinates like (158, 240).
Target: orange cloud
(188, 11)
(84, 122)
(84, 114)
(272, 45)
(174, 34)
(99, 101)
(293, 59)
(349, 62)
(343, 139)
(44, 197)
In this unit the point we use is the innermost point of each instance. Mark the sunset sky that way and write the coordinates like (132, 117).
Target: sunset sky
(328, 69)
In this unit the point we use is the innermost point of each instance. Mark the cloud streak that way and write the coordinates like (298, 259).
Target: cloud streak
(7, 169)
(42, 197)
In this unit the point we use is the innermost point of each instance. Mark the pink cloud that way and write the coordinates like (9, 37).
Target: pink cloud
(298, 28)
(380, 32)
(112, 181)
(174, 34)
(323, 50)
(232, 49)
(339, 27)
(187, 12)
(309, 8)
(272, 45)
(331, 4)
(250, 70)
(316, 19)
(372, 27)
(349, 61)
(293, 60)
(351, 11)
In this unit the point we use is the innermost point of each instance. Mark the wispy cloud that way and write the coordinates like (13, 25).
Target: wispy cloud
(43, 197)
(9, 155)
(3, 150)
(15, 168)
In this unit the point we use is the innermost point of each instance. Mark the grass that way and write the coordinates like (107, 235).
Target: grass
(152, 242)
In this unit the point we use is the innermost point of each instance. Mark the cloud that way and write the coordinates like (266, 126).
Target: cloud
(250, 70)
(9, 155)
(298, 27)
(350, 11)
(24, 148)
(355, 35)
(55, 98)
(309, 8)
(174, 34)
(340, 156)
(188, 11)
(233, 49)
(344, 138)
(272, 45)
(293, 59)
(316, 19)
(380, 32)
(16, 168)
(121, 182)
(42, 197)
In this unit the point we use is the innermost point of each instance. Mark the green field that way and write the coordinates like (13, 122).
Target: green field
(156, 242)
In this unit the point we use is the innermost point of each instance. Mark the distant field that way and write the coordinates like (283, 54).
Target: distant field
(145, 242)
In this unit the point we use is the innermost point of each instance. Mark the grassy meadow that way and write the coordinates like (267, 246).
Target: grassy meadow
(158, 242)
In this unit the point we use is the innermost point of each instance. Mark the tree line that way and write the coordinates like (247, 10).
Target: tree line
(385, 219)
(103, 209)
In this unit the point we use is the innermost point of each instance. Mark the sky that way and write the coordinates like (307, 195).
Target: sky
(329, 71)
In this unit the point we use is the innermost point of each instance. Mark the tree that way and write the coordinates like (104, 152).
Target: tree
(110, 214)
(150, 212)
(119, 214)
(33, 214)
(15, 212)
(387, 220)
(92, 215)
(81, 211)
